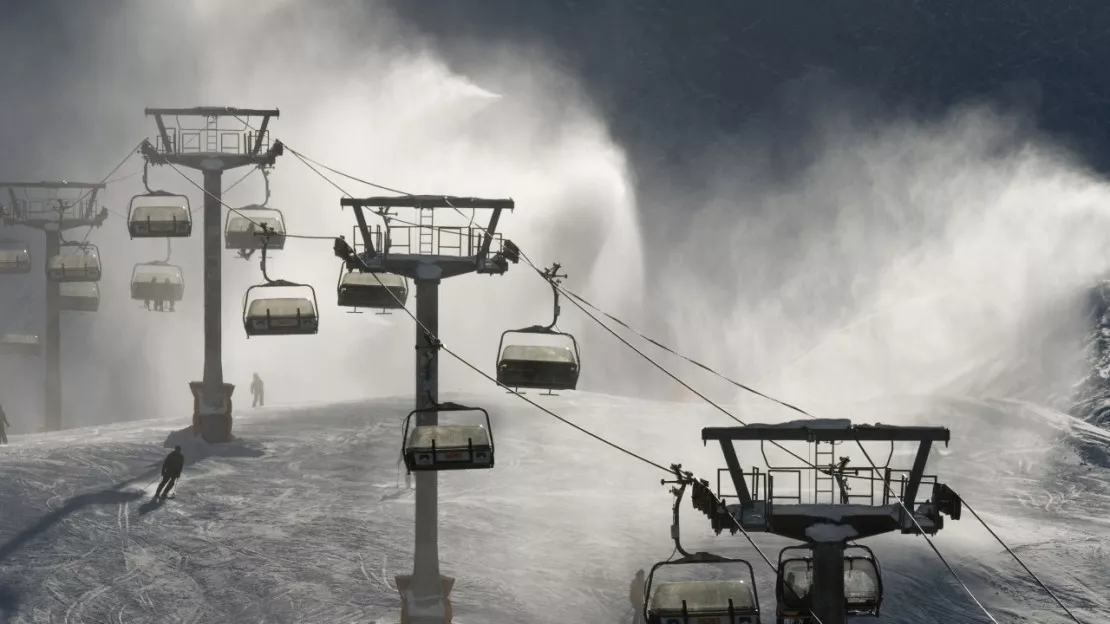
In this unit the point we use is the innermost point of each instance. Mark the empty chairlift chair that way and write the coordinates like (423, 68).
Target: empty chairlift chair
(447, 447)
(15, 258)
(731, 600)
(242, 229)
(387, 291)
(289, 315)
(157, 281)
(525, 364)
(863, 585)
(75, 263)
(159, 214)
(20, 344)
(79, 296)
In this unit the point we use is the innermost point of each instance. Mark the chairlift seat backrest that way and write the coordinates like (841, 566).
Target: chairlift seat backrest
(75, 265)
(282, 307)
(20, 344)
(161, 220)
(79, 296)
(14, 260)
(702, 597)
(448, 437)
(238, 224)
(538, 353)
(357, 279)
(19, 339)
(244, 232)
(861, 581)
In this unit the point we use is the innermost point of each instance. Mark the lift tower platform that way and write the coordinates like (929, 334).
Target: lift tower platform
(428, 254)
(212, 149)
(44, 206)
(827, 504)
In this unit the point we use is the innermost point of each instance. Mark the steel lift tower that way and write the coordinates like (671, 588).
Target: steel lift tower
(427, 254)
(41, 208)
(819, 578)
(212, 150)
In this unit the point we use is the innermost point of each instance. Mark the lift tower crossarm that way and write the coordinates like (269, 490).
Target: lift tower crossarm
(471, 258)
(798, 430)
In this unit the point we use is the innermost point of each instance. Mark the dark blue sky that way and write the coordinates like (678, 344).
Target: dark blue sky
(676, 75)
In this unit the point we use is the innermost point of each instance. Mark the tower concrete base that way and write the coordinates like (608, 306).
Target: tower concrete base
(212, 422)
(436, 610)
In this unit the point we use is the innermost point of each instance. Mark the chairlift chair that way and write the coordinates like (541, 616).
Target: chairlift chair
(281, 316)
(863, 582)
(525, 365)
(732, 601)
(541, 367)
(24, 344)
(15, 258)
(75, 263)
(386, 291)
(242, 229)
(79, 296)
(157, 281)
(447, 447)
(159, 214)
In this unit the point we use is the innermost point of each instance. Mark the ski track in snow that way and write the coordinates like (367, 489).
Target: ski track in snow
(303, 521)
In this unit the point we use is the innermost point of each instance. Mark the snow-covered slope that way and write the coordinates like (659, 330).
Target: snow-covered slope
(305, 519)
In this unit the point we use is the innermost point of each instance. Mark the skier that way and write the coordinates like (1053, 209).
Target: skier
(3, 426)
(258, 389)
(171, 472)
(636, 597)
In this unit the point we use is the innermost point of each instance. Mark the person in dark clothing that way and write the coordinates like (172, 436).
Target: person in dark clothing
(3, 427)
(258, 389)
(171, 471)
(342, 248)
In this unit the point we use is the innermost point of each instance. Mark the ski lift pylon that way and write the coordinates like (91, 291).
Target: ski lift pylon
(75, 262)
(447, 447)
(15, 258)
(543, 367)
(734, 600)
(79, 296)
(159, 214)
(863, 582)
(279, 316)
(386, 291)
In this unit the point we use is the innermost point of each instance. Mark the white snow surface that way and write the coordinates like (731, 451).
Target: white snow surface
(306, 519)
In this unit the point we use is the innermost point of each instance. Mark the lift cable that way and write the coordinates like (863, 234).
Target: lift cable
(964, 502)
(573, 296)
(928, 539)
(576, 299)
(238, 212)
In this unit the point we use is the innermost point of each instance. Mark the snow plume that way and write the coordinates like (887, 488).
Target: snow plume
(903, 257)
(360, 92)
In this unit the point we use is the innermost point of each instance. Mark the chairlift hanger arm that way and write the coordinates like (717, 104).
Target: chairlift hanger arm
(553, 278)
